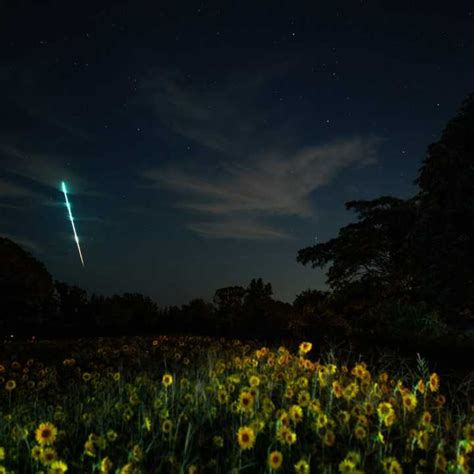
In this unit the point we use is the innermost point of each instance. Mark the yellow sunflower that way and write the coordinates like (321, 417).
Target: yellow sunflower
(105, 465)
(167, 426)
(46, 433)
(305, 347)
(275, 460)
(246, 437)
(302, 467)
(48, 456)
(58, 467)
(245, 401)
(409, 401)
(167, 380)
(434, 382)
(10, 385)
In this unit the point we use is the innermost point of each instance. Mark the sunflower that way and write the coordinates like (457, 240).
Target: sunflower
(386, 413)
(192, 469)
(86, 376)
(254, 381)
(167, 380)
(58, 467)
(302, 467)
(127, 469)
(167, 426)
(440, 462)
(245, 401)
(337, 389)
(275, 460)
(350, 391)
(48, 456)
(10, 385)
(329, 438)
(468, 431)
(360, 432)
(36, 452)
(290, 437)
(420, 386)
(46, 433)
(105, 465)
(434, 382)
(423, 439)
(246, 437)
(391, 466)
(425, 418)
(296, 413)
(409, 401)
(346, 466)
(222, 396)
(305, 347)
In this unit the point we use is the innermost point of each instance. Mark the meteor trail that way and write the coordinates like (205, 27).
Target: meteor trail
(63, 184)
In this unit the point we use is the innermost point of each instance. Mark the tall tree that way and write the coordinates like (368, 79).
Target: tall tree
(26, 289)
(443, 237)
(370, 251)
(420, 249)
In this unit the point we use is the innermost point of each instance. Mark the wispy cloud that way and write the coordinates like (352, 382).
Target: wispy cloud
(271, 185)
(45, 170)
(275, 184)
(260, 172)
(12, 190)
(238, 229)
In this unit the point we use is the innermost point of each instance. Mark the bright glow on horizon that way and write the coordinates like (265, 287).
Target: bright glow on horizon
(63, 185)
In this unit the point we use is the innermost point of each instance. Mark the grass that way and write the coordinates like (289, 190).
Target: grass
(196, 404)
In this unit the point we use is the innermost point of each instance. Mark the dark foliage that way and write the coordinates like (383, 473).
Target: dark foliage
(26, 289)
(415, 251)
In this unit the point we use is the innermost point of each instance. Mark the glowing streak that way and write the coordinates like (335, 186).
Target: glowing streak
(72, 221)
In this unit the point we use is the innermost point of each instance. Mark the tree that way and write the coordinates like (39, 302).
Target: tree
(415, 250)
(26, 289)
(371, 252)
(72, 308)
(197, 317)
(229, 306)
(256, 318)
(443, 237)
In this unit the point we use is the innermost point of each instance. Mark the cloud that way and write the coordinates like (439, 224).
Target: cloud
(46, 170)
(238, 229)
(260, 172)
(12, 190)
(274, 184)
(222, 117)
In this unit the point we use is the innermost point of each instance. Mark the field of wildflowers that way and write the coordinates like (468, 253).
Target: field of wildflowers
(189, 405)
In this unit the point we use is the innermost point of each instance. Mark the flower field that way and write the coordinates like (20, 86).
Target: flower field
(189, 404)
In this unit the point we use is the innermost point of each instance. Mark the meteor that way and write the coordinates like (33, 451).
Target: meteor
(63, 185)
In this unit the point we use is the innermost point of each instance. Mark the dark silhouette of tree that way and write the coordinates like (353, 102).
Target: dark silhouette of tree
(229, 307)
(73, 310)
(26, 290)
(415, 250)
(443, 237)
(257, 308)
(197, 317)
(310, 302)
(368, 256)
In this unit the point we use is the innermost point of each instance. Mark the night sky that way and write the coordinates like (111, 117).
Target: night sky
(205, 143)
